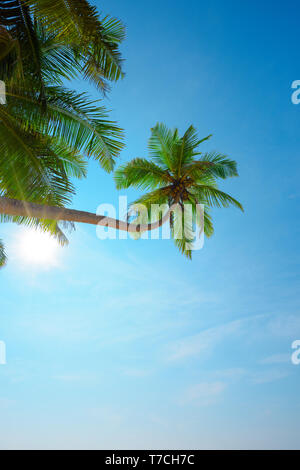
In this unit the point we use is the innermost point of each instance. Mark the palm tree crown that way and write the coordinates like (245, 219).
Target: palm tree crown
(177, 173)
(88, 42)
(46, 129)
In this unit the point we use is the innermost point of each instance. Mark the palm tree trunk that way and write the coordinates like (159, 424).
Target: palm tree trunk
(15, 207)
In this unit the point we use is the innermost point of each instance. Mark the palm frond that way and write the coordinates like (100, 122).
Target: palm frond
(213, 197)
(35, 167)
(182, 230)
(186, 146)
(141, 173)
(46, 225)
(161, 145)
(46, 130)
(74, 119)
(85, 125)
(215, 164)
(3, 258)
(207, 218)
(7, 43)
(58, 60)
(95, 40)
(158, 197)
(150, 208)
(24, 50)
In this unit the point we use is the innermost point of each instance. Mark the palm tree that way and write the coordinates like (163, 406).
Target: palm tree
(94, 39)
(93, 42)
(177, 174)
(174, 177)
(47, 130)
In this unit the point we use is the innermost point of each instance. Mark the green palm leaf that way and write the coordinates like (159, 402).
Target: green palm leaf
(214, 197)
(162, 144)
(2, 255)
(95, 41)
(141, 173)
(186, 148)
(176, 177)
(217, 165)
(47, 130)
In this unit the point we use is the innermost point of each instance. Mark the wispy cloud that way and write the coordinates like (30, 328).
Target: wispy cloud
(202, 342)
(76, 377)
(264, 377)
(135, 372)
(231, 374)
(6, 403)
(285, 326)
(276, 359)
(204, 393)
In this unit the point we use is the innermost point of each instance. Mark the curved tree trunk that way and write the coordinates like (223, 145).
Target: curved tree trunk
(15, 207)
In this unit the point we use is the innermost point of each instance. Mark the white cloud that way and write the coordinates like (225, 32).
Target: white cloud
(207, 340)
(204, 394)
(277, 359)
(134, 372)
(285, 326)
(231, 374)
(6, 403)
(202, 342)
(269, 376)
(80, 377)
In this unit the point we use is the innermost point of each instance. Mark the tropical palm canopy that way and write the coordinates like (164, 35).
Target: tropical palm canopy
(46, 129)
(177, 173)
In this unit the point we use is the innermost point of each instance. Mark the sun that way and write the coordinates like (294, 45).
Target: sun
(37, 248)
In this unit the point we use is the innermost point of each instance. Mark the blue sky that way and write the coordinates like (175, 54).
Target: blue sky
(126, 344)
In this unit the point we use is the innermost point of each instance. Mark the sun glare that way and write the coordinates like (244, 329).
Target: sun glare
(37, 248)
